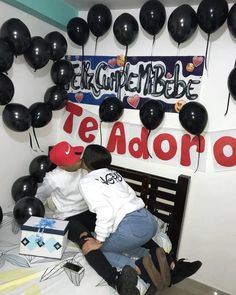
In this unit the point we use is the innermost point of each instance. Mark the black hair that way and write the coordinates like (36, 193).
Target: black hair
(96, 157)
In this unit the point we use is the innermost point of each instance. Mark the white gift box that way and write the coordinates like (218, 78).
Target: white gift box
(44, 237)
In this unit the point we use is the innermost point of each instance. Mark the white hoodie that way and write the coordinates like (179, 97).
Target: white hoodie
(110, 197)
(63, 188)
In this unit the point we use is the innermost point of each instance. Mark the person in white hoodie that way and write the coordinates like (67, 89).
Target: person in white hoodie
(124, 225)
(60, 190)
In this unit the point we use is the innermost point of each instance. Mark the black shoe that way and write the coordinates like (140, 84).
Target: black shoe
(127, 281)
(183, 270)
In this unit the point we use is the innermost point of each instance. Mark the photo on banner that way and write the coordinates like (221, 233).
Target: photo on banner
(173, 80)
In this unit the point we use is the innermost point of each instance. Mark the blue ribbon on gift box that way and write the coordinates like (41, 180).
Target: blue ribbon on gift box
(44, 222)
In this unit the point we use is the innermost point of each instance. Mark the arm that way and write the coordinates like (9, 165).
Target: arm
(97, 203)
(45, 190)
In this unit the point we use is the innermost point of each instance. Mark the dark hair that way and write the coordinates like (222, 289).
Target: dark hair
(96, 157)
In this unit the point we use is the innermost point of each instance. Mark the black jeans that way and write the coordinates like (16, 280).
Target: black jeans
(85, 222)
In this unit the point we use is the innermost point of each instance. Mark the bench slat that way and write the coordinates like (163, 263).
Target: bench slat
(153, 193)
(159, 206)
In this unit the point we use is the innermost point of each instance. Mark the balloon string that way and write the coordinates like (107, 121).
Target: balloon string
(36, 139)
(119, 92)
(96, 43)
(31, 144)
(82, 68)
(199, 148)
(227, 107)
(149, 131)
(177, 53)
(206, 53)
(153, 42)
(126, 53)
(100, 128)
(82, 53)
(123, 72)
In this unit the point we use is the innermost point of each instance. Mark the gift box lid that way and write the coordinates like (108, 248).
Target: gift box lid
(46, 225)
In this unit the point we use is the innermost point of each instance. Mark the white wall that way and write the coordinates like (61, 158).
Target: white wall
(209, 228)
(209, 232)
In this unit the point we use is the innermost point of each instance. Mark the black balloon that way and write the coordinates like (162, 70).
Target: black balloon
(62, 72)
(193, 117)
(6, 89)
(151, 114)
(41, 114)
(212, 14)
(27, 207)
(1, 215)
(232, 83)
(56, 97)
(152, 16)
(182, 23)
(231, 20)
(25, 186)
(57, 44)
(16, 117)
(111, 109)
(16, 33)
(6, 56)
(39, 166)
(38, 54)
(125, 29)
(78, 30)
(99, 19)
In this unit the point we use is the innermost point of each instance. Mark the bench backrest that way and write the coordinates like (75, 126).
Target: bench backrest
(164, 197)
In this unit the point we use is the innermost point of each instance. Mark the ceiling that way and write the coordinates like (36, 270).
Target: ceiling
(85, 5)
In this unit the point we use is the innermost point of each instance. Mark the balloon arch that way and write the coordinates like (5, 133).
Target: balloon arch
(15, 39)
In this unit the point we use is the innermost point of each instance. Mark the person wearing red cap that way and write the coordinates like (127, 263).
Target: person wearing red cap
(60, 190)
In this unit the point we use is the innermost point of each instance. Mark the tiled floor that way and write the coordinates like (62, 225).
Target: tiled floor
(191, 287)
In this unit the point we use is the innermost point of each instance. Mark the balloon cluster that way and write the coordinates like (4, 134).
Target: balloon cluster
(15, 39)
(99, 20)
(24, 189)
(182, 22)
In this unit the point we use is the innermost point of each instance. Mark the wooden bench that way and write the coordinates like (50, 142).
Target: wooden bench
(164, 197)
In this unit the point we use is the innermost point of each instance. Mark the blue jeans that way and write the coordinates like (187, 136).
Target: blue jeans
(134, 230)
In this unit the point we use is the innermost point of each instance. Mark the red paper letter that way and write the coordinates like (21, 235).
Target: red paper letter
(84, 128)
(186, 144)
(117, 140)
(141, 150)
(172, 146)
(73, 109)
(218, 150)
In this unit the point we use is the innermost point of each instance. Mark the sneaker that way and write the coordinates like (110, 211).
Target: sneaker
(127, 281)
(183, 270)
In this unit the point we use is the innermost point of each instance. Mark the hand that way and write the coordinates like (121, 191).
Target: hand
(90, 245)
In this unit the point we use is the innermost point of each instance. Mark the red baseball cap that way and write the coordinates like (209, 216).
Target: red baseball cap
(63, 154)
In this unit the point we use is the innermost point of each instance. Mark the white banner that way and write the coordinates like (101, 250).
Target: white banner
(164, 146)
